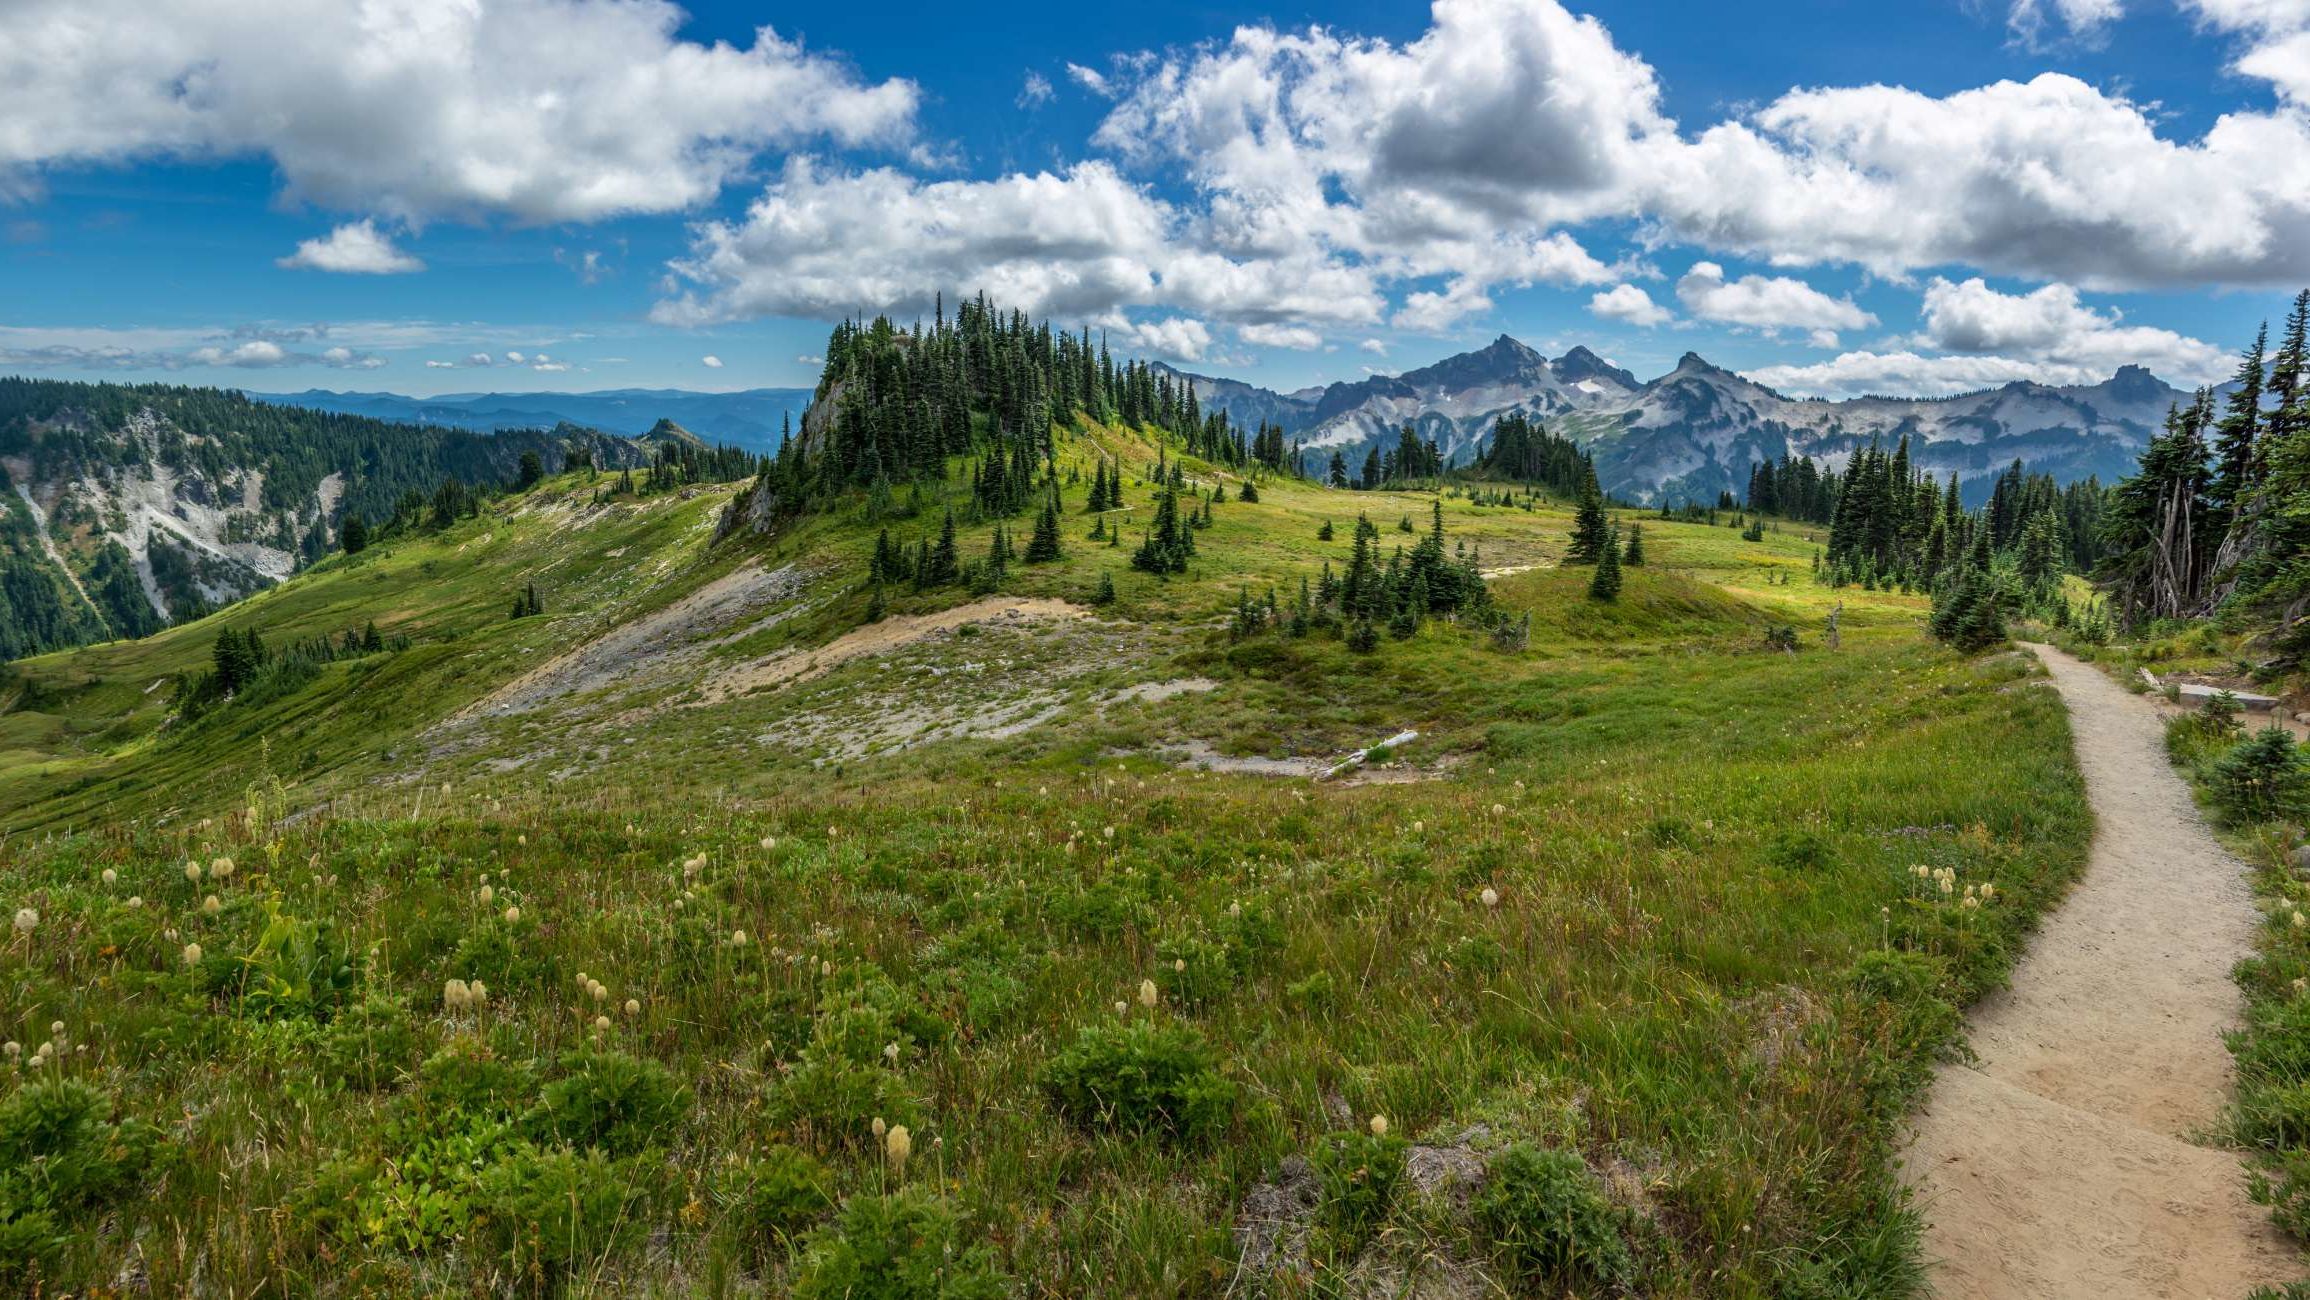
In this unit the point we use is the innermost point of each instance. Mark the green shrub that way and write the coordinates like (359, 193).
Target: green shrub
(1544, 1213)
(2261, 778)
(368, 1045)
(1141, 1077)
(1799, 848)
(1359, 1175)
(2193, 738)
(902, 1247)
(832, 1102)
(61, 1157)
(769, 1200)
(555, 1212)
(618, 1103)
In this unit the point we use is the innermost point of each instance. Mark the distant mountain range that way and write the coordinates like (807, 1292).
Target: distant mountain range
(750, 419)
(1697, 430)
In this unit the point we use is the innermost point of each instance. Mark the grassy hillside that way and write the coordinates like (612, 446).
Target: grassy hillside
(1629, 939)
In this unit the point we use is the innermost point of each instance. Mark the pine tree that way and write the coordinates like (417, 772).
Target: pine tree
(1591, 529)
(942, 564)
(1043, 547)
(2237, 457)
(875, 608)
(1105, 595)
(1324, 534)
(1606, 584)
(1633, 556)
(353, 535)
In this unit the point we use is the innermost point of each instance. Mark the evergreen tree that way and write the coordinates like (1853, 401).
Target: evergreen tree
(1043, 547)
(353, 535)
(1633, 556)
(1591, 528)
(1605, 585)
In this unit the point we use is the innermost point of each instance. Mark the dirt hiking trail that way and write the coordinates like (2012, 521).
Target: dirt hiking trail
(2068, 1163)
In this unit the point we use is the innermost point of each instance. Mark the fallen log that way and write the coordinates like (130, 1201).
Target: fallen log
(1357, 759)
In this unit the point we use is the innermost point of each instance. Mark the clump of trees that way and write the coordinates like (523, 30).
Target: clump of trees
(2218, 512)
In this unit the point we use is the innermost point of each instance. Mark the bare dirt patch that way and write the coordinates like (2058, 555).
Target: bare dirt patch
(728, 607)
(2071, 1162)
(791, 666)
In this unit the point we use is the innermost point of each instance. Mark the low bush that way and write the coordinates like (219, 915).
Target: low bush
(1543, 1211)
(1141, 1077)
(906, 1246)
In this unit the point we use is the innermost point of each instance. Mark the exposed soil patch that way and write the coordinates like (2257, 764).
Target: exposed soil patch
(2071, 1161)
(791, 666)
(724, 609)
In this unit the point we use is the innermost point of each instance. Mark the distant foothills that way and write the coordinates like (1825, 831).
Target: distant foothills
(126, 508)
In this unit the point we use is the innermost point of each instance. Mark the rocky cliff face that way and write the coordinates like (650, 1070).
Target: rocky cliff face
(125, 509)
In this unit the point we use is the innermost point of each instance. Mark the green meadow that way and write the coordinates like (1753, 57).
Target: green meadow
(1617, 981)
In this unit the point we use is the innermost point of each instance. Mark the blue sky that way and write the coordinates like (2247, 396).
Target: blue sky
(426, 196)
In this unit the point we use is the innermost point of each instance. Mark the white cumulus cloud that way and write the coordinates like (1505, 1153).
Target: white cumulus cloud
(539, 110)
(1629, 303)
(710, 362)
(358, 248)
(1767, 302)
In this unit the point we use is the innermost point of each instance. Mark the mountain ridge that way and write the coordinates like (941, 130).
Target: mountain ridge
(1695, 431)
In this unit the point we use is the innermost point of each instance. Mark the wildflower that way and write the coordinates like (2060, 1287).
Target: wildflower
(598, 990)
(192, 954)
(110, 876)
(890, 1053)
(1124, 1008)
(522, 840)
(27, 920)
(2298, 921)
(1179, 964)
(825, 968)
(601, 1024)
(1417, 827)
(633, 1006)
(192, 871)
(1147, 993)
(212, 905)
(737, 938)
(769, 841)
(15, 1049)
(1490, 896)
(39, 1061)
(1499, 810)
(222, 868)
(512, 914)
(1972, 904)
(1988, 891)
(1379, 1126)
(455, 994)
(478, 992)
(898, 1144)
(488, 895)
(1109, 832)
(136, 900)
(879, 1128)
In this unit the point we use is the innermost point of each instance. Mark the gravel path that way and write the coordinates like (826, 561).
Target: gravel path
(2071, 1162)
